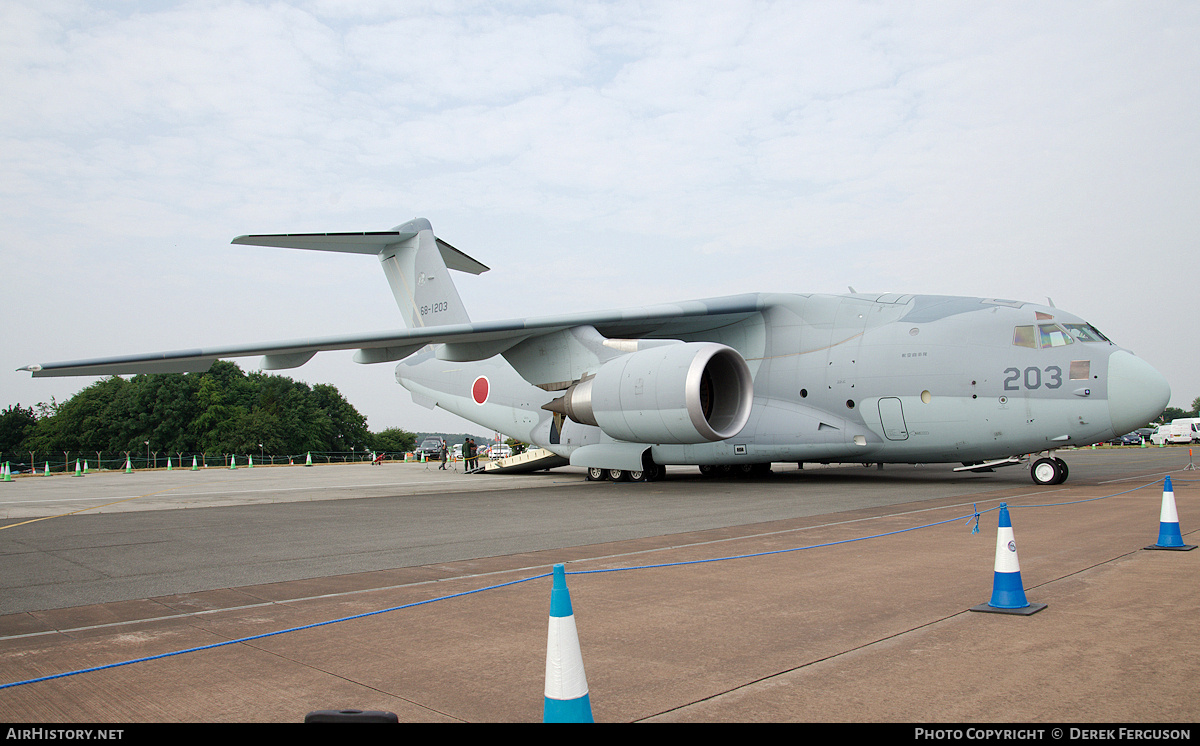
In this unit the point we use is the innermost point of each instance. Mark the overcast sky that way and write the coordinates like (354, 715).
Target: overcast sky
(595, 155)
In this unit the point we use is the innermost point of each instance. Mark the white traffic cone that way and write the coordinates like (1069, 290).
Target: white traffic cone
(1008, 594)
(1169, 536)
(566, 686)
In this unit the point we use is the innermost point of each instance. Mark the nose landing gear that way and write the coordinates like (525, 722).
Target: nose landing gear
(1049, 471)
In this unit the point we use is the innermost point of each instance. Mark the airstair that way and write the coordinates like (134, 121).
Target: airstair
(534, 459)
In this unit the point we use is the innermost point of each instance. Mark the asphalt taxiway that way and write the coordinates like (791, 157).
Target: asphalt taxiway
(111, 567)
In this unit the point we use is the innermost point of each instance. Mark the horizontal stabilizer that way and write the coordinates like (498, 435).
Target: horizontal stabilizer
(370, 242)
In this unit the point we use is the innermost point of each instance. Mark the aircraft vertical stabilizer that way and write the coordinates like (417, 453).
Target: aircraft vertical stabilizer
(415, 262)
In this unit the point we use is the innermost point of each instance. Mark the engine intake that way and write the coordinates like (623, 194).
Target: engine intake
(683, 393)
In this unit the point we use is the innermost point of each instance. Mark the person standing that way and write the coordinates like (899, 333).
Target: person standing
(445, 456)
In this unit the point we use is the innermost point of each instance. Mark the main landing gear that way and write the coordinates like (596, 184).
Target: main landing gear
(1050, 470)
(649, 473)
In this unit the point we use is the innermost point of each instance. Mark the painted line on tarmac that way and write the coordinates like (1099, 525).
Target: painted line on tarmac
(313, 488)
(506, 571)
(90, 507)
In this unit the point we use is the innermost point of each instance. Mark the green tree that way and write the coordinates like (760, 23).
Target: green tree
(346, 429)
(221, 411)
(394, 440)
(17, 424)
(1172, 413)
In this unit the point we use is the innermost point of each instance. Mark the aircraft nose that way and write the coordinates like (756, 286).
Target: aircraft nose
(1137, 393)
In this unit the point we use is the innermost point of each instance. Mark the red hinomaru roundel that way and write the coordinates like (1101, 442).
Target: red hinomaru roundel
(479, 390)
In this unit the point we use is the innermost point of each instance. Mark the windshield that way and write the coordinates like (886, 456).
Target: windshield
(1086, 333)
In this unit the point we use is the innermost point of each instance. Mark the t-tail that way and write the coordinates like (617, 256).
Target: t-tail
(414, 261)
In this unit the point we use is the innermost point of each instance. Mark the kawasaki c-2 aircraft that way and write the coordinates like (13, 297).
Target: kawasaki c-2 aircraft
(732, 383)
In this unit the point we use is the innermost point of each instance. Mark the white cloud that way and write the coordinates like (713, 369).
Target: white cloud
(594, 154)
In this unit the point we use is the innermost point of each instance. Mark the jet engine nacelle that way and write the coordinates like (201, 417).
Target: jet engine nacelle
(689, 392)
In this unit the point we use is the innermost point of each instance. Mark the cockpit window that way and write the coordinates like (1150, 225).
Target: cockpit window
(1053, 335)
(1025, 336)
(1086, 333)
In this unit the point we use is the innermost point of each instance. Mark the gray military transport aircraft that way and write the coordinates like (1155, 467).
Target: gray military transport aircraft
(733, 383)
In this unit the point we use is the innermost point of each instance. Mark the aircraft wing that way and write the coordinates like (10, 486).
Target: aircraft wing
(462, 342)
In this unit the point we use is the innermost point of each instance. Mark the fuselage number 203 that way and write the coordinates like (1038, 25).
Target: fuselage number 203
(1032, 378)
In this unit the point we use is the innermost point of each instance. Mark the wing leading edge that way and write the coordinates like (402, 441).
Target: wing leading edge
(462, 342)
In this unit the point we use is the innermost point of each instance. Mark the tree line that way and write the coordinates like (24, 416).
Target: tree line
(1174, 413)
(221, 411)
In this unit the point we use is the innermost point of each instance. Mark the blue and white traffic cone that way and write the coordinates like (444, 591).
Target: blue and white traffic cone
(1169, 536)
(566, 686)
(1008, 594)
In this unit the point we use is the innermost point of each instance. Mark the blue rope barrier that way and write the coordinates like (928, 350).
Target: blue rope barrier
(271, 634)
(972, 517)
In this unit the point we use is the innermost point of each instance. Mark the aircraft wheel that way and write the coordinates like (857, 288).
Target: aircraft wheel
(1046, 471)
(708, 470)
(618, 475)
(595, 474)
(1062, 467)
(638, 476)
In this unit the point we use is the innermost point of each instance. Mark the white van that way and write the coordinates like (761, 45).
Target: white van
(1187, 431)
(1191, 425)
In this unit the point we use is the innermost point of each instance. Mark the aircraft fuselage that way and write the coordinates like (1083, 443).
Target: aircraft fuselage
(870, 378)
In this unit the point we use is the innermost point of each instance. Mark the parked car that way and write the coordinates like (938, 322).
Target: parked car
(500, 450)
(430, 448)
(1129, 439)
